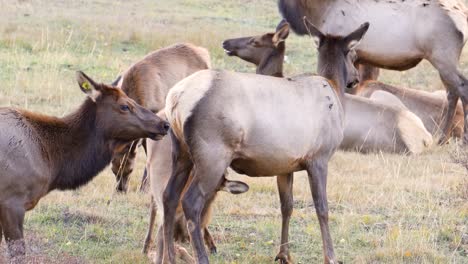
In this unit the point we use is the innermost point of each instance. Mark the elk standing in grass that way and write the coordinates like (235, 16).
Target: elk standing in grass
(159, 168)
(370, 125)
(403, 34)
(267, 53)
(40, 153)
(148, 82)
(257, 125)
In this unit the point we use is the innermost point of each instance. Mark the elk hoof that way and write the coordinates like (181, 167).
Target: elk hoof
(213, 250)
(443, 140)
(283, 258)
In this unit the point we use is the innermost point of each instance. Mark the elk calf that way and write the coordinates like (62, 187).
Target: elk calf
(147, 82)
(41, 153)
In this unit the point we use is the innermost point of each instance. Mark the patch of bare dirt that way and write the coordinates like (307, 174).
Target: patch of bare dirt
(36, 253)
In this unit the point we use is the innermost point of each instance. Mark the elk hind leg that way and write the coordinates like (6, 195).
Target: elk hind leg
(318, 170)
(285, 189)
(207, 178)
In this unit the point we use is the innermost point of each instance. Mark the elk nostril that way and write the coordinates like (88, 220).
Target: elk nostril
(166, 126)
(352, 84)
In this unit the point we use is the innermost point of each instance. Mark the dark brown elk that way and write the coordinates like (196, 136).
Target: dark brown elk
(41, 153)
(432, 30)
(257, 125)
(159, 168)
(148, 82)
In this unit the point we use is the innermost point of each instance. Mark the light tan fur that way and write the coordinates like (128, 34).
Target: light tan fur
(403, 33)
(180, 102)
(370, 124)
(429, 107)
(159, 169)
(148, 82)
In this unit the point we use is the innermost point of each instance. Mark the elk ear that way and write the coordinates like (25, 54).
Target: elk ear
(314, 32)
(88, 86)
(355, 37)
(282, 33)
(117, 80)
(234, 187)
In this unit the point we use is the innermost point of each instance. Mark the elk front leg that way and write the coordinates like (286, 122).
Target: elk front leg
(144, 179)
(181, 168)
(318, 170)
(285, 189)
(12, 218)
(123, 164)
(452, 99)
(149, 235)
(209, 241)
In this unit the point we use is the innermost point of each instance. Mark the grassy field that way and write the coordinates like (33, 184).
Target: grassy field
(383, 208)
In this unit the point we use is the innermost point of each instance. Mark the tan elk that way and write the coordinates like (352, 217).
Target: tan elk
(41, 153)
(148, 82)
(429, 107)
(403, 34)
(370, 125)
(257, 125)
(159, 168)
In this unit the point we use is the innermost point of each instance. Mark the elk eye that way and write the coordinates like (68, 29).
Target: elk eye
(124, 108)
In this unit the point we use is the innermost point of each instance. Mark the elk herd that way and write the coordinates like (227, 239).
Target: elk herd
(262, 124)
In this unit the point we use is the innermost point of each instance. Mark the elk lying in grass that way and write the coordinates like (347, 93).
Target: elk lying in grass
(446, 19)
(148, 82)
(159, 168)
(40, 153)
(257, 125)
(370, 125)
(429, 107)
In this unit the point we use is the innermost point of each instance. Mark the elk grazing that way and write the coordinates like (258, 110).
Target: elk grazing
(380, 48)
(159, 168)
(40, 153)
(429, 107)
(384, 128)
(148, 82)
(257, 125)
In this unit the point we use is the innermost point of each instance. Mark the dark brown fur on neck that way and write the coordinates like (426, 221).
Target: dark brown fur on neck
(40, 153)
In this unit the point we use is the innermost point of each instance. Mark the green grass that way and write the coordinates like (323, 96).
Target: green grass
(383, 208)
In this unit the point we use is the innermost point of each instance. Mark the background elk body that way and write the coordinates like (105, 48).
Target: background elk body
(39, 153)
(148, 82)
(439, 39)
(271, 126)
(429, 107)
(370, 125)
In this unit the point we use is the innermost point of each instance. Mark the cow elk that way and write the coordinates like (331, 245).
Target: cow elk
(148, 82)
(438, 40)
(429, 107)
(41, 153)
(370, 125)
(257, 125)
